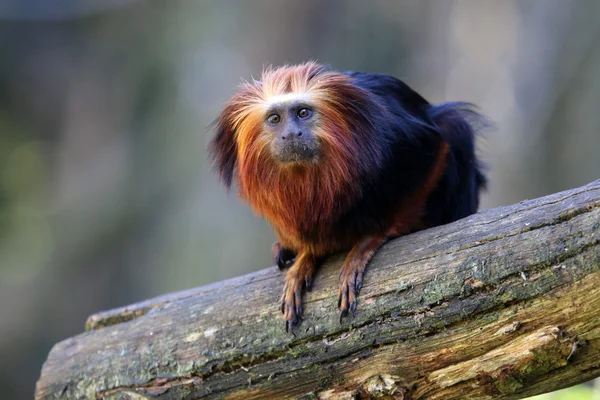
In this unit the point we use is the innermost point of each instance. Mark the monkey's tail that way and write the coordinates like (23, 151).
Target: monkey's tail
(459, 124)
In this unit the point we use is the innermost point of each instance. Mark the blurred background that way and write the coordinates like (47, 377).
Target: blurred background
(106, 193)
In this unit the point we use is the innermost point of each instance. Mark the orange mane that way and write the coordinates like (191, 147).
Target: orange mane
(302, 197)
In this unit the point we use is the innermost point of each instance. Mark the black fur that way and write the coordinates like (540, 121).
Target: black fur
(284, 258)
(412, 129)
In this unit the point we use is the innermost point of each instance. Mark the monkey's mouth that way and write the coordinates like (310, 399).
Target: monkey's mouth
(296, 151)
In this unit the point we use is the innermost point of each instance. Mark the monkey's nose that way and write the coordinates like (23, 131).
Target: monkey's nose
(292, 135)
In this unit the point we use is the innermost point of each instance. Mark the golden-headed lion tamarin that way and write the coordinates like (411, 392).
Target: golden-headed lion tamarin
(339, 161)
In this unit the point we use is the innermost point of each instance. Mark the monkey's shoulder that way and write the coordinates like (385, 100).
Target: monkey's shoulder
(391, 91)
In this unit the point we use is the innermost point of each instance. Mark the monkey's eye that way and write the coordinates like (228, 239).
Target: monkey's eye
(304, 113)
(274, 119)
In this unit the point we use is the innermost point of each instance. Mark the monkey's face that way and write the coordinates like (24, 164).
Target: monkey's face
(289, 126)
(295, 115)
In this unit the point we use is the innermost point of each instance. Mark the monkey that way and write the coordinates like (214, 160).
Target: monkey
(344, 161)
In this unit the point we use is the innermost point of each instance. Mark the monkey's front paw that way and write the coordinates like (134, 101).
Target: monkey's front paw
(291, 300)
(350, 284)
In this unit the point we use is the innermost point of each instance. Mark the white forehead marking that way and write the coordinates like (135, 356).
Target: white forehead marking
(287, 97)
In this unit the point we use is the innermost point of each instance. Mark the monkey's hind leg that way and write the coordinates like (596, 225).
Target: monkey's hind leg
(282, 257)
(351, 275)
(297, 277)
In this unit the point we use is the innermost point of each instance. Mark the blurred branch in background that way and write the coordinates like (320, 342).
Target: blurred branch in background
(106, 195)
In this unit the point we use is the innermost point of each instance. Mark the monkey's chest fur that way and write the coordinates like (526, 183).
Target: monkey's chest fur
(311, 217)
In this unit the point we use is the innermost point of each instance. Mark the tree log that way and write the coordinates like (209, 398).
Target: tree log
(503, 304)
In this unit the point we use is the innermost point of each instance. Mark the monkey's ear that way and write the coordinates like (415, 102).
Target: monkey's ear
(223, 147)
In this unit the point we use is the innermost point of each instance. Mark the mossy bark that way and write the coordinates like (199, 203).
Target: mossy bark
(504, 304)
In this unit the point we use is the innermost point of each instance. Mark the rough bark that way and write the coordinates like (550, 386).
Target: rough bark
(504, 304)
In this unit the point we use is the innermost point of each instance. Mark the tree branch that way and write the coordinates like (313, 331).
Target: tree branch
(503, 304)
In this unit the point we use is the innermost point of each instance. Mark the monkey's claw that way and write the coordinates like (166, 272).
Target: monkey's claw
(291, 302)
(308, 283)
(350, 285)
